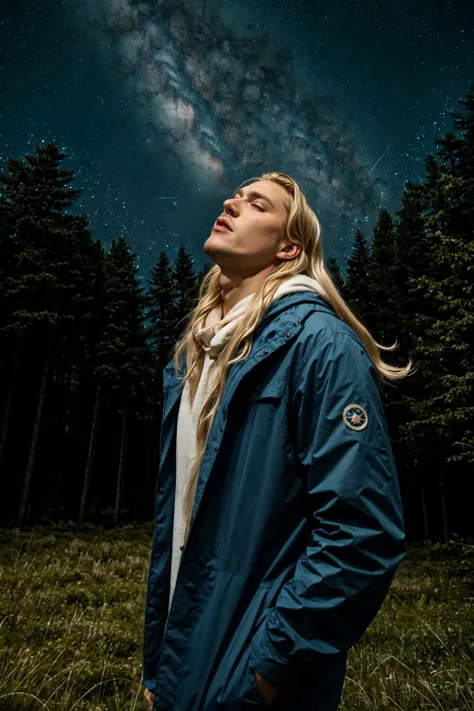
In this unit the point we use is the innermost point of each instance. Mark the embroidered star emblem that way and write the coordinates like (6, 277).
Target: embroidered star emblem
(355, 417)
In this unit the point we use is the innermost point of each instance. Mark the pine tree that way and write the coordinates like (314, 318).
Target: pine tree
(446, 348)
(40, 290)
(411, 262)
(358, 287)
(385, 313)
(161, 312)
(124, 358)
(88, 377)
(185, 289)
(442, 418)
(334, 270)
(9, 354)
(162, 318)
(6, 259)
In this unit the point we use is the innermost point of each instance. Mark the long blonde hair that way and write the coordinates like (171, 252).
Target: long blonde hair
(302, 228)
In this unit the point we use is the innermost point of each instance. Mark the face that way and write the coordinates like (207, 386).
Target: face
(256, 214)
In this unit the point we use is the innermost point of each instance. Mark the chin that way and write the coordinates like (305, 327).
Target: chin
(211, 238)
(207, 248)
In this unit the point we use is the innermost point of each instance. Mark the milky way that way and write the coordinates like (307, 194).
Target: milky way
(164, 108)
(224, 104)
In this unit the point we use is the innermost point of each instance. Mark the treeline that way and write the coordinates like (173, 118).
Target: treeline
(83, 345)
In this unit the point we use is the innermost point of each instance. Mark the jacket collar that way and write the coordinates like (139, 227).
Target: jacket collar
(287, 312)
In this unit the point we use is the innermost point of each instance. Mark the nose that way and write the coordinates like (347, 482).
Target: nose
(230, 206)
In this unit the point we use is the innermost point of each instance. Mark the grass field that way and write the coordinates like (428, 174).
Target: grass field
(72, 605)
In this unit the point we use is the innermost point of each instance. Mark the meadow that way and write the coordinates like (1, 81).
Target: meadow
(71, 625)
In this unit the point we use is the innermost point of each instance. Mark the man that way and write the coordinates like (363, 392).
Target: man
(291, 529)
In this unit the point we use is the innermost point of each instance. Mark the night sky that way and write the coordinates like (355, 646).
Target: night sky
(165, 107)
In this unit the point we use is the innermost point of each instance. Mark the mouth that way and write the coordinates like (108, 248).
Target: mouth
(222, 224)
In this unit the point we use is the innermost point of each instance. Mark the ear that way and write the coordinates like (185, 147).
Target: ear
(292, 248)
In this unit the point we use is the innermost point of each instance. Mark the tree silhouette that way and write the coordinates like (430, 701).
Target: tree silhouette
(359, 287)
(335, 272)
(185, 288)
(42, 290)
(123, 353)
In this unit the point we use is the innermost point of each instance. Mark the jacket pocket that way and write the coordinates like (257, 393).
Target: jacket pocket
(272, 390)
(239, 682)
(243, 689)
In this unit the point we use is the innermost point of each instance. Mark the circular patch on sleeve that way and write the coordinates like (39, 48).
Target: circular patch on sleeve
(355, 417)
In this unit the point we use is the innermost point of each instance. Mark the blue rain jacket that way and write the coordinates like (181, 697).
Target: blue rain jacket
(297, 527)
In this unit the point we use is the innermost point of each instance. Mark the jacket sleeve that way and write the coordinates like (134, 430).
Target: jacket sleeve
(357, 539)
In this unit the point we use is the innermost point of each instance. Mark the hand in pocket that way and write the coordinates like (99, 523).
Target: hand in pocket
(268, 691)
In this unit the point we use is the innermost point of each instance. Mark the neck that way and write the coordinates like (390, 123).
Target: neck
(233, 292)
(232, 299)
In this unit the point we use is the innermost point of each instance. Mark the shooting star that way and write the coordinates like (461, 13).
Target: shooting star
(375, 164)
(164, 197)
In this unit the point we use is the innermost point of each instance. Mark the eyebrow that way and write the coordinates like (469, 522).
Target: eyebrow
(254, 193)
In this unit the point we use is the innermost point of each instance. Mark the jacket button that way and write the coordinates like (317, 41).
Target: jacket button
(296, 323)
(161, 489)
(181, 548)
(265, 351)
(287, 335)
